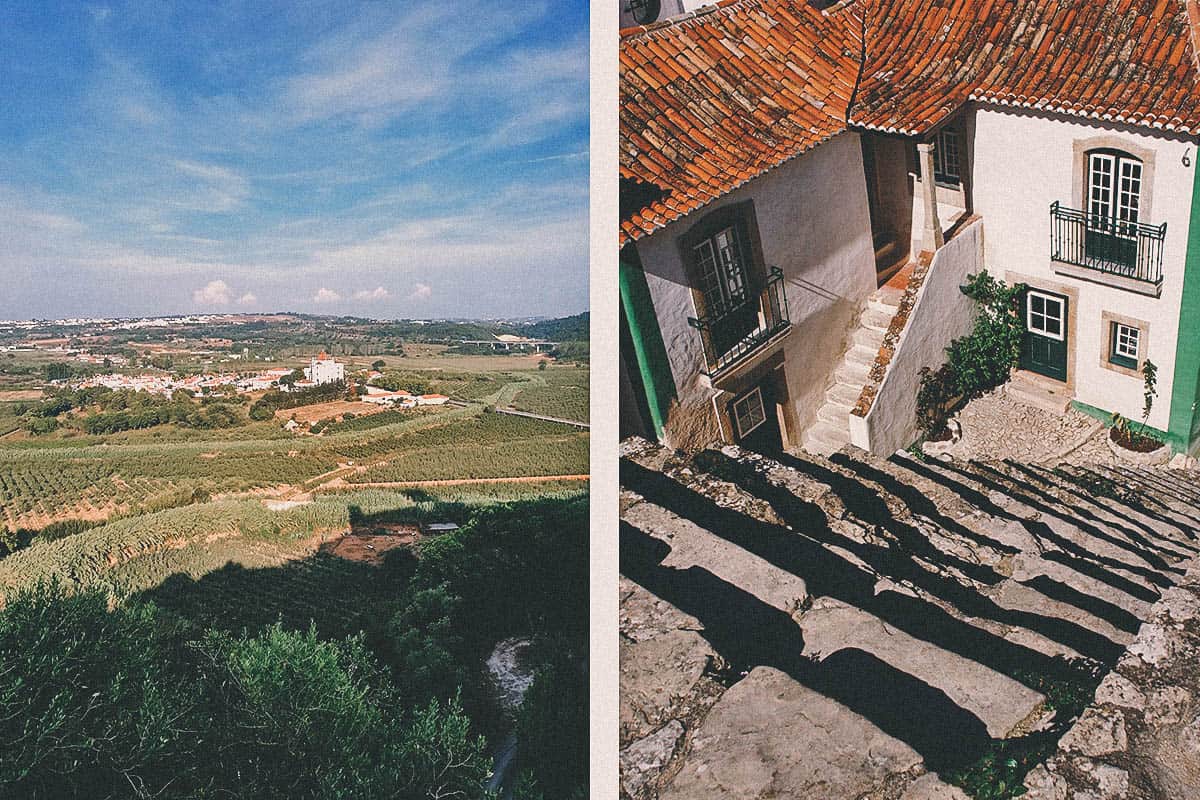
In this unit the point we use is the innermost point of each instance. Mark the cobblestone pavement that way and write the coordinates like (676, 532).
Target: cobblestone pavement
(997, 427)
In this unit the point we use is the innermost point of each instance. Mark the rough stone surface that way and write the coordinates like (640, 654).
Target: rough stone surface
(830, 603)
(1096, 734)
(658, 679)
(769, 736)
(998, 427)
(642, 761)
(1154, 691)
(931, 787)
(1118, 690)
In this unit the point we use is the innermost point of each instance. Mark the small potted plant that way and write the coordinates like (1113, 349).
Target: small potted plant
(1139, 445)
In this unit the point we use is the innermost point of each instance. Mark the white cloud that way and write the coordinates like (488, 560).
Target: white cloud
(248, 299)
(369, 295)
(422, 291)
(324, 295)
(214, 293)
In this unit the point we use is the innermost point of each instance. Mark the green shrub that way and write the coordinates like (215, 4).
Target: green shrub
(983, 359)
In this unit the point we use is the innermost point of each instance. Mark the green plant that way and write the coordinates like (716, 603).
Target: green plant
(983, 359)
(934, 396)
(1149, 389)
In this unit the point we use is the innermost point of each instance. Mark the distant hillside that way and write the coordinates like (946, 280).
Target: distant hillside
(565, 329)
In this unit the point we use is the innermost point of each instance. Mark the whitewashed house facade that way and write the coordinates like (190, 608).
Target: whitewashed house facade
(801, 198)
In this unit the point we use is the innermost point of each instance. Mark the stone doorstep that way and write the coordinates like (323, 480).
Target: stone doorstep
(1039, 392)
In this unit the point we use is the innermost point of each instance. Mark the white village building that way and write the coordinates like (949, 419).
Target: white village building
(323, 369)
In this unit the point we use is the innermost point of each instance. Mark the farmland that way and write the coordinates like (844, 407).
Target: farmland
(217, 523)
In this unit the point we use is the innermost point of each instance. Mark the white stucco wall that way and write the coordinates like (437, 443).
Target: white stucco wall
(1023, 163)
(941, 313)
(814, 224)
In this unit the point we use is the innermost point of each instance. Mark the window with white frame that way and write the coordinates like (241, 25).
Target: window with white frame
(946, 161)
(1126, 342)
(1114, 188)
(1044, 315)
(748, 412)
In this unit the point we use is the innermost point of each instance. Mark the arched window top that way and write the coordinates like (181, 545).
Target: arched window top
(1115, 152)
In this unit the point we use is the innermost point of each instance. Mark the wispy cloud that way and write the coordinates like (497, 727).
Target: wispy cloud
(295, 161)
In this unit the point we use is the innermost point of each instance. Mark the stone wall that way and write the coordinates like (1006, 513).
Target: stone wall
(941, 312)
(1141, 737)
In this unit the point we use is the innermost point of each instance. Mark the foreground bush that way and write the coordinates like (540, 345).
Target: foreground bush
(101, 704)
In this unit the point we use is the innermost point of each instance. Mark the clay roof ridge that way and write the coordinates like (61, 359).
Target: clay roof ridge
(680, 19)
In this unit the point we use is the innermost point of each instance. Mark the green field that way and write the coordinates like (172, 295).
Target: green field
(72, 475)
(560, 392)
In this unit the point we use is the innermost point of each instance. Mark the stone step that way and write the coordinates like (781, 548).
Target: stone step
(885, 300)
(999, 701)
(843, 394)
(852, 373)
(932, 588)
(876, 320)
(824, 438)
(692, 545)
(1045, 395)
(864, 356)
(870, 338)
(835, 414)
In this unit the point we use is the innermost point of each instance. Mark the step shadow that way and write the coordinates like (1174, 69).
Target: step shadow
(1138, 546)
(1082, 476)
(805, 554)
(919, 504)
(747, 633)
(1152, 576)
(1073, 557)
(1148, 536)
(900, 566)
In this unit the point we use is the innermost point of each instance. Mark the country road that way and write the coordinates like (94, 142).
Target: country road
(560, 420)
(341, 482)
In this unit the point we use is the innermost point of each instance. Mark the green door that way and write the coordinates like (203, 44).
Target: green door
(1044, 349)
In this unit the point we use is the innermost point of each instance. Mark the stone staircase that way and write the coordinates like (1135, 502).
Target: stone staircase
(857, 627)
(831, 430)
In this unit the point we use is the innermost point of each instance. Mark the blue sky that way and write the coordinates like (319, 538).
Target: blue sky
(408, 159)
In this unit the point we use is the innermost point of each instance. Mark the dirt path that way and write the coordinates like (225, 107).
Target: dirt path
(514, 412)
(340, 483)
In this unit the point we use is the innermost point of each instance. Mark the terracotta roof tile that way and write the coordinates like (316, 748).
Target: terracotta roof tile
(722, 95)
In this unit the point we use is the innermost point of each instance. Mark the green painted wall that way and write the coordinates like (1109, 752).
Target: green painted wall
(648, 347)
(1185, 386)
(1106, 418)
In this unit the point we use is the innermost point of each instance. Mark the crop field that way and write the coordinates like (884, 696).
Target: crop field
(133, 474)
(234, 563)
(559, 392)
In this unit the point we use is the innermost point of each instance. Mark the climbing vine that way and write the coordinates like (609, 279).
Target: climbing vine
(979, 361)
(983, 359)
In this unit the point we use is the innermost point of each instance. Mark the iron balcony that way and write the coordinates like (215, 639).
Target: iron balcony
(1129, 251)
(734, 334)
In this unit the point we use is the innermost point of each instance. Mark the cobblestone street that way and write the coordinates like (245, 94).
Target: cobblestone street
(997, 427)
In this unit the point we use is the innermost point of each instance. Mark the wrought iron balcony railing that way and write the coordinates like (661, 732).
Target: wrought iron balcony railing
(732, 334)
(1112, 246)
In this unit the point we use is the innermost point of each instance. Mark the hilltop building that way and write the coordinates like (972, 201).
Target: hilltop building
(323, 369)
(804, 190)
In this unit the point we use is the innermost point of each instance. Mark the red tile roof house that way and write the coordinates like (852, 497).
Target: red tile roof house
(803, 191)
